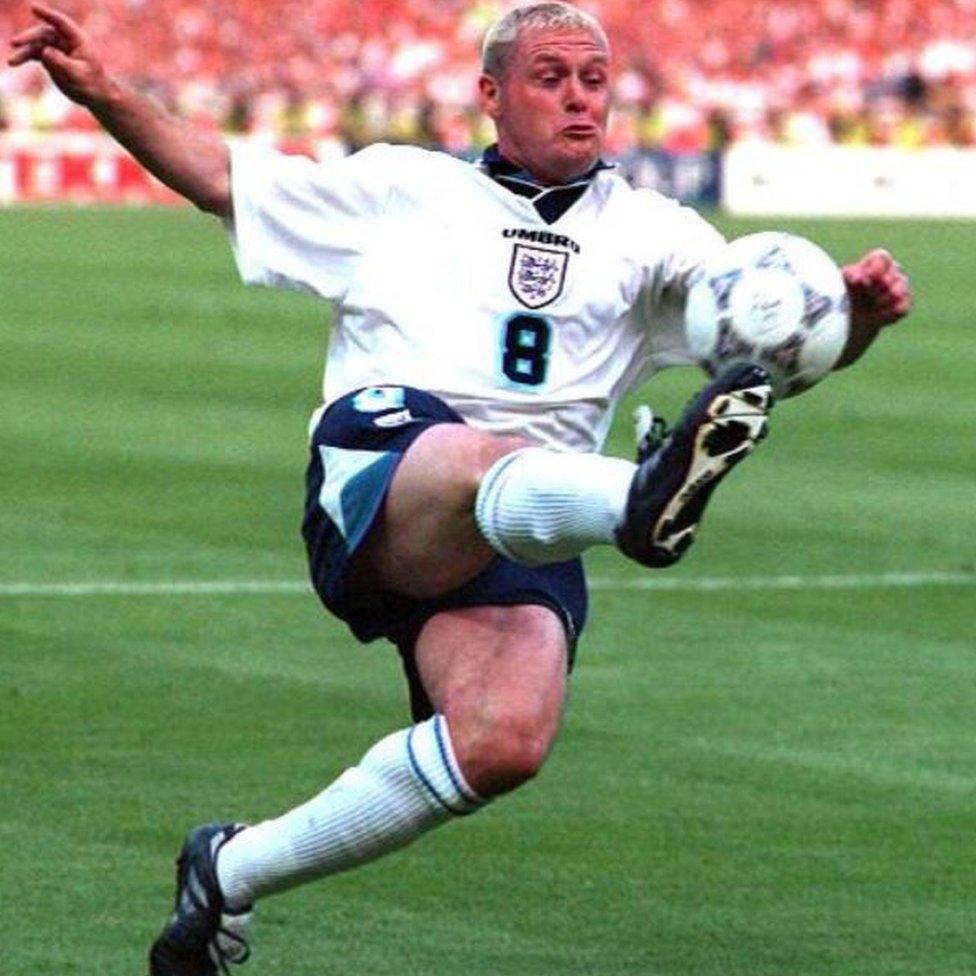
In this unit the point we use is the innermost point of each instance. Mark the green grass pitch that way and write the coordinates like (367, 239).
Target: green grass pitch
(750, 781)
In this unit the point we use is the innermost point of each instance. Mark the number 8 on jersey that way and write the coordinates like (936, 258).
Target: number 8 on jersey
(525, 350)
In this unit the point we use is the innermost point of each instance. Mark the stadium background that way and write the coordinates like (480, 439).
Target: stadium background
(768, 764)
(330, 76)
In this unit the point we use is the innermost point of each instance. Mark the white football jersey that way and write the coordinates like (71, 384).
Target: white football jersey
(445, 280)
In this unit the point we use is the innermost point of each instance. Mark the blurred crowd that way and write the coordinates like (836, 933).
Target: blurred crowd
(690, 74)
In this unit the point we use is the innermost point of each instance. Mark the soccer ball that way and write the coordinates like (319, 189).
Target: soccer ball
(774, 299)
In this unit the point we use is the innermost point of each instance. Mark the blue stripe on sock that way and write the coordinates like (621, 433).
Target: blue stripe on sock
(419, 773)
(463, 790)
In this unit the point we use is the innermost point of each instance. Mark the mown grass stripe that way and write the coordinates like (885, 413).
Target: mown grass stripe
(243, 587)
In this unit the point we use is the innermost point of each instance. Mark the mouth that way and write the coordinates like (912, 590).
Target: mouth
(579, 131)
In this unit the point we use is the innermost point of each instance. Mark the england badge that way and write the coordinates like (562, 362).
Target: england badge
(537, 274)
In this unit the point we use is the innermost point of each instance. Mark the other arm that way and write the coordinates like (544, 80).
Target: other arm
(880, 295)
(193, 163)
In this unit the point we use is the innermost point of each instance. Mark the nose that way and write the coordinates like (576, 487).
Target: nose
(574, 96)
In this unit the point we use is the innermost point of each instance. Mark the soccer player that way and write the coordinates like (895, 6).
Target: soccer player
(487, 319)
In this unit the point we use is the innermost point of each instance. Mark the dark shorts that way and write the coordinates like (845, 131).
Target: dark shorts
(355, 449)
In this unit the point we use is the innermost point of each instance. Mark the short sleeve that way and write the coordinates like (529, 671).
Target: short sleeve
(692, 240)
(673, 241)
(302, 225)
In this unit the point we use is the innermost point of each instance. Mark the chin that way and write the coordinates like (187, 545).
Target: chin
(565, 164)
(577, 164)
(584, 153)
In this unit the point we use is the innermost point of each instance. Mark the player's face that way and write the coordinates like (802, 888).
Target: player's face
(551, 104)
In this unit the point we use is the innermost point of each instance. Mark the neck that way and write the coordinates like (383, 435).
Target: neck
(508, 162)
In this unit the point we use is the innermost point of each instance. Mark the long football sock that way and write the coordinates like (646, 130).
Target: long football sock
(537, 506)
(406, 784)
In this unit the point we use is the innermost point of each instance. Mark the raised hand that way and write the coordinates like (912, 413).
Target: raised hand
(192, 162)
(59, 43)
(879, 290)
(880, 294)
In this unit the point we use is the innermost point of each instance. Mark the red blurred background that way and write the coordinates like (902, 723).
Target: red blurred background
(690, 75)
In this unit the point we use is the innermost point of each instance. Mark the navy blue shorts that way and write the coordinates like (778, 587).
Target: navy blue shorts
(355, 449)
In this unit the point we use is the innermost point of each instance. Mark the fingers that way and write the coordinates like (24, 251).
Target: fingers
(899, 298)
(47, 54)
(877, 263)
(29, 43)
(891, 287)
(42, 33)
(880, 290)
(892, 297)
(877, 266)
(58, 31)
(61, 22)
(874, 264)
(52, 58)
(25, 54)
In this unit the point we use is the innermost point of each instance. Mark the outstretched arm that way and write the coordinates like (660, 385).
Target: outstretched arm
(193, 163)
(880, 295)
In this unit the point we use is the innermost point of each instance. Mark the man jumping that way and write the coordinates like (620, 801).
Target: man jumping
(487, 319)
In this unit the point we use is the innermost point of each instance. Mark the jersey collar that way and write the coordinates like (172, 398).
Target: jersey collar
(551, 202)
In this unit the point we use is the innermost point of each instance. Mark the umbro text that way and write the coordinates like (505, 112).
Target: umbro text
(542, 237)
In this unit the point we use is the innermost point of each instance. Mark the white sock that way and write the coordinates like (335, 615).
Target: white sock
(406, 784)
(538, 506)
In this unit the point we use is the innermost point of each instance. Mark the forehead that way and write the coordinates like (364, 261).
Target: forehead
(569, 43)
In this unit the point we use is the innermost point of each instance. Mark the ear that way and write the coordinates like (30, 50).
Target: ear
(489, 96)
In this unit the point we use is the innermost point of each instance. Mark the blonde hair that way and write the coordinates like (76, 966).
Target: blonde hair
(503, 34)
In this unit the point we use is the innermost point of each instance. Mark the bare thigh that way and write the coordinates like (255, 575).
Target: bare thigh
(426, 541)
(498, 676)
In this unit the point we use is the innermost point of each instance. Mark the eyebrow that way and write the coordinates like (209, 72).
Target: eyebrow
(546, 57)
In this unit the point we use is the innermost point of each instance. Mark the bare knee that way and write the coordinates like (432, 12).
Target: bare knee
(505, 718)
(498, 676)
(502, 752)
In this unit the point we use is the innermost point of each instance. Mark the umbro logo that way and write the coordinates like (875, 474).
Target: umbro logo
(542, 237)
